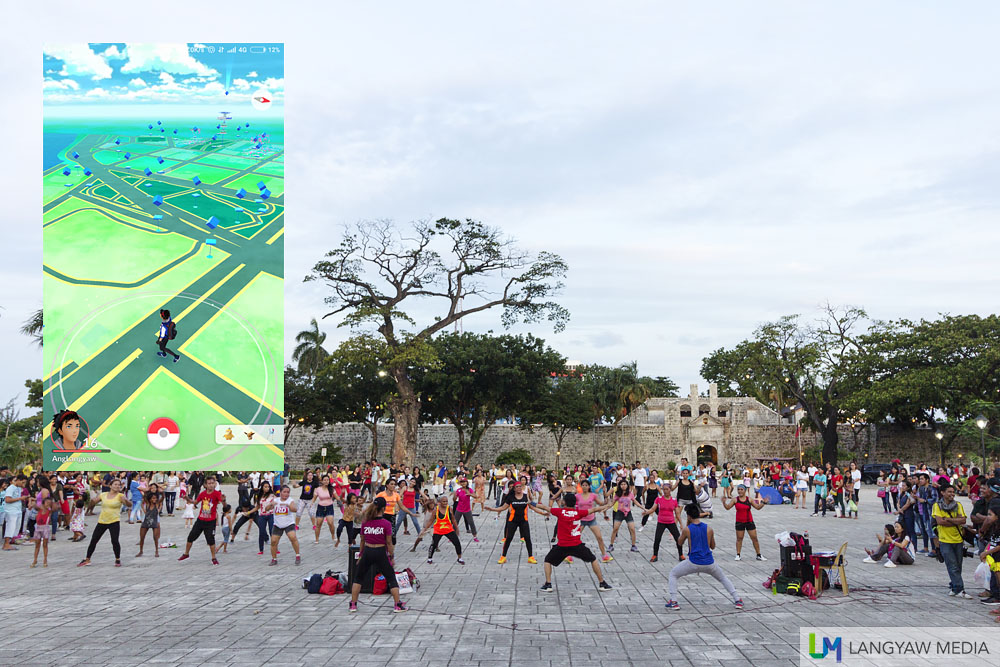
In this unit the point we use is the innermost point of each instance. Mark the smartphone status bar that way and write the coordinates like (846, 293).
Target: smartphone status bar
(234, 48)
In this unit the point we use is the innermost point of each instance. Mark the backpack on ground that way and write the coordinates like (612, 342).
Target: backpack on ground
(314, 584)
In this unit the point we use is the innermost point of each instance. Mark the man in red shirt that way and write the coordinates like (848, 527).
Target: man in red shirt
(568, 541)
(206, 503)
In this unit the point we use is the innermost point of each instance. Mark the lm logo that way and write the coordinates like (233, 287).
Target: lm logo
(827, 647)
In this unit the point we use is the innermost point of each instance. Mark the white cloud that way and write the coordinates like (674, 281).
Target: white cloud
(166, 78)
(172, 58)
(112, 53)
(273, 84)
(79, 60)
(138, 82)
(97, 92)
(241, 84)
(252, 75)
(64, 84)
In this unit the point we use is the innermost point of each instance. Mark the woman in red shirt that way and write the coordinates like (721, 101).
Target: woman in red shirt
(837, 485)
(744, 518)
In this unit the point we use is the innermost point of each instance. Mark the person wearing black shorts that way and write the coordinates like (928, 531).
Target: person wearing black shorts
(744, 518)
(207, 503)
(569, 544)
(376, 554)
(518, 503)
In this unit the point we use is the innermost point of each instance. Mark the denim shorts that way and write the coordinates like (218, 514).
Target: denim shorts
(324, 510)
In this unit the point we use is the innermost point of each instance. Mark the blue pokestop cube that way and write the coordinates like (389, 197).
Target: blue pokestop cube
(159, 122)
(158, 200)
(66, 171)
(160, 160)
(218, 127)
(241, 193)
(196, 180)
(265, 194)
(212, 223)
(157, 217)
(257, 146)
(261, 185)
(151, 126)
(118, 142)
(128, 156)
(211, 242)
(194, 129)
(75, 155)
(87, 172)
(147, 171)
(161, 129)
(238, 128)
(175, 131)
(248, 125)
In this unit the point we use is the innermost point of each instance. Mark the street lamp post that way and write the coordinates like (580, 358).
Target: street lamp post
(982, 422)
(940, 438)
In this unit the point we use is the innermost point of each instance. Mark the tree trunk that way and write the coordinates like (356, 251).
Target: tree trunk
(830, 440)
(374, 430)
(461, 444)
(405, 409)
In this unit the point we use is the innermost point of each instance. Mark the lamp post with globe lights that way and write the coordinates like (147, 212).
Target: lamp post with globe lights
(940, 438)
(982, 423)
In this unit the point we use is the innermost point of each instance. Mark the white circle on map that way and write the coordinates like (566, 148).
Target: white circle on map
(261, 99)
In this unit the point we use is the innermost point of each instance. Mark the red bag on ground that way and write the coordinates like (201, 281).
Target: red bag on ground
(331, 586)
(379, 587)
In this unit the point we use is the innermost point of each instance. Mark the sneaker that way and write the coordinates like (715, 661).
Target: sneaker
(869, 559)
(215, 561)
(634, 549)
(552, 541)
(475, 539)
(611, 548)
(260, 553)
(952, 594)
(184, 557)
(682, 557)
(738, 604)
(161, 354)
(176, 359)
(546, 587)
(569, 559)
(990, 601)
(503, 559)
(298, 560)
(603, 586)
(963, 595)
(532, 560)
(672, 604)
(353, 607)
(274, 561)
(430, 561)
(889, 563)
(814, 514)
(461, 561)
(640, 528)
(522, 540)
(652, 559)
(607, 558)
(984, 594)
(761, 558)
(399, 607)
(738, 557)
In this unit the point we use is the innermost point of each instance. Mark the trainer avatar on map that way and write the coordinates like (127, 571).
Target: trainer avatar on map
(168, 332)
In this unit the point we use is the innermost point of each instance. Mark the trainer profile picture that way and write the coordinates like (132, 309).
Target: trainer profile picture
(66, 430)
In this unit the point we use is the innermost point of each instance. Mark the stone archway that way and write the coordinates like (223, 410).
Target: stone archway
(707, 454)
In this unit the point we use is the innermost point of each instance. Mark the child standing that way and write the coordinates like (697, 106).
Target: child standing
(227, 526)
(188, 510)
(43, 532)
(76, 523)
(700, 559)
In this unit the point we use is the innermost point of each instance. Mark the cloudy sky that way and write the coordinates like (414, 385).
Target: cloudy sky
(701, 170)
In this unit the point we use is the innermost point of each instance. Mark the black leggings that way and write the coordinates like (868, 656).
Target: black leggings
(515, 526)
(451, 536)
(171, 498)
(110, 528)
(650, 497)
(470, 523)
(672, 527)
(377, 558)
(239, 522)
(352, 532)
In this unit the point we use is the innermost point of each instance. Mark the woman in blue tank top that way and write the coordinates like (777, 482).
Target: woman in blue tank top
(700, 559)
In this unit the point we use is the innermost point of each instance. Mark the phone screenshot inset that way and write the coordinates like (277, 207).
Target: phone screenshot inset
(163, 219)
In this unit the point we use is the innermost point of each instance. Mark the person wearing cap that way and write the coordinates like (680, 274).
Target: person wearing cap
(376, 554)
(949, 515)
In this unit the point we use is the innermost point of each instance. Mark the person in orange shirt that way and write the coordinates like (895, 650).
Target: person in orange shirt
(392, 503)
(443, 525)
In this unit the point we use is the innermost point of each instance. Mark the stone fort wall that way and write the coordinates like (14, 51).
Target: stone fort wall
(653, 444)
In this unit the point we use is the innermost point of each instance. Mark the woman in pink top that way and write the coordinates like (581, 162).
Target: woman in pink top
(585, 501)
(324, 508)
(624, 496)
(668, 517)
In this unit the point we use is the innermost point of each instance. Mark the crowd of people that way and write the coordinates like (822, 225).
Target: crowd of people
(372, 505)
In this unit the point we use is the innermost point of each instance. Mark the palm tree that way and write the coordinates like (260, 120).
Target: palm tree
(32, 327)
(631, 397)
(309, 352)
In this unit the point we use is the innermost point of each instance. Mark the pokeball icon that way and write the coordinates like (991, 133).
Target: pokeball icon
(163, 433)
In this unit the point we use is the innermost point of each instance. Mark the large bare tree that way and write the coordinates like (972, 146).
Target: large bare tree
(462, 266)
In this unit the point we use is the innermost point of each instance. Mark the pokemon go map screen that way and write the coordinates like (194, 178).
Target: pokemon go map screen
(163, 220)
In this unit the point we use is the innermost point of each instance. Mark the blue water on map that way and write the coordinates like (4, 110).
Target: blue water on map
(54, 143)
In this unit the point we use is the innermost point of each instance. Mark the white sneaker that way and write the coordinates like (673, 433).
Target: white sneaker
(889, 563)
(952, 594)
(640, 528)
(963, 595)
(868, 559)
(738, 557)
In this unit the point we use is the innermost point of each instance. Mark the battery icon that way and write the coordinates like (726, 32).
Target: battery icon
(257, 49)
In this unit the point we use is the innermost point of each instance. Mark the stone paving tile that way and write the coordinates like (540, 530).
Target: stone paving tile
(481, 614)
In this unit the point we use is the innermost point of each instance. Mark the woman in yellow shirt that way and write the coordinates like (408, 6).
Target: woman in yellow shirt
(109, 521)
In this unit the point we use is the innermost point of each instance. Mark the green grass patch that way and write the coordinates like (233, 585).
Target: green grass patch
(250, 231)
(54, 184)
(223, 210)
(105, 191)
(125, 253)
(147, 161)
(250, 181)
(137, 148)
(230, 349)
(207, 174)
(272, 169)
(222, 160)
(159, 187)
(109, 157)
(178, 153)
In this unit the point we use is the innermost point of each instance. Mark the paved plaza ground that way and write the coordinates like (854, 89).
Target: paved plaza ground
(158, 610)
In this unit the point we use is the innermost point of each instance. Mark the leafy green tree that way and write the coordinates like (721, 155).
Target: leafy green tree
(309, 353)
(483, 378)
(463, 266)
(565, 406)
(32, 327)
(660, 386)
(811, 363)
